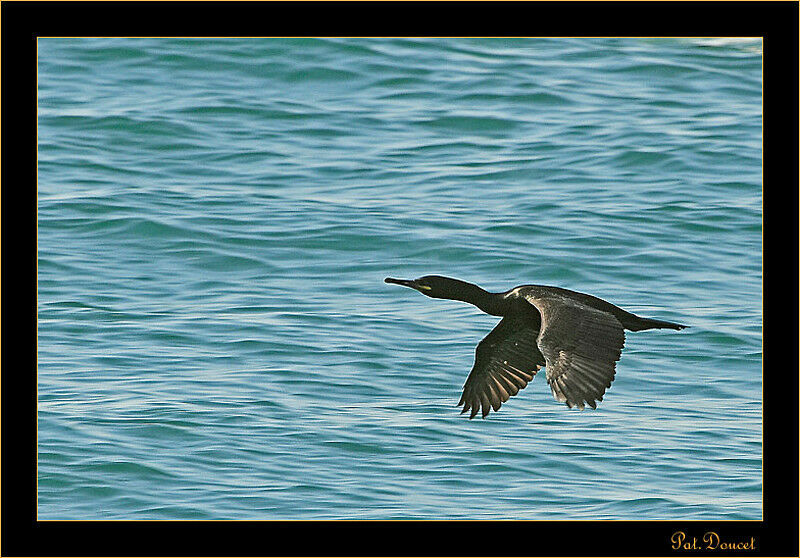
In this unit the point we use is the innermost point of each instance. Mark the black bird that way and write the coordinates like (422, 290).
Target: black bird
(577, 337)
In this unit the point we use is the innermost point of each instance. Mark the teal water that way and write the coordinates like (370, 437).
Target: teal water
(216, 217)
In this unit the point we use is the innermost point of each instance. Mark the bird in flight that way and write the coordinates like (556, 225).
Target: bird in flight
(577, 337)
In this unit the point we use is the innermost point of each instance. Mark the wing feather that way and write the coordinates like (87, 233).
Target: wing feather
(580, 345)
(505, 361)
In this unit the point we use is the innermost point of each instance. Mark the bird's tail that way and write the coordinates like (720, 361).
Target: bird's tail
(649, 323)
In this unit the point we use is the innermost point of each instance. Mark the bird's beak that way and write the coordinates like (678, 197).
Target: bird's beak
(410, 283)
(404, 282)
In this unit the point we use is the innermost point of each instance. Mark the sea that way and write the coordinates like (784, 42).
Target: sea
(216, 217)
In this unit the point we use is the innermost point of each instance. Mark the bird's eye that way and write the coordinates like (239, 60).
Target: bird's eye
(426, 287)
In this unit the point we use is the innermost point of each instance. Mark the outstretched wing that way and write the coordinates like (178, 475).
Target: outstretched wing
(505, 361)
(581, 346)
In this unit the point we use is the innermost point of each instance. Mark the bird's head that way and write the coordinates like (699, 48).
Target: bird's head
(434, 286)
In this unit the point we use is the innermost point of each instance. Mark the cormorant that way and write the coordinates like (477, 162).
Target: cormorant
(577, 337)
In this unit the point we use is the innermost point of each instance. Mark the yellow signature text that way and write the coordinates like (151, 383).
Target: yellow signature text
(710, 541)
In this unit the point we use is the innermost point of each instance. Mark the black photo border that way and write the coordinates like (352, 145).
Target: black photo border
(23, 22)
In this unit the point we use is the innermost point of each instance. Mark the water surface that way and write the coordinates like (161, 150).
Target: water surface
(216, 217)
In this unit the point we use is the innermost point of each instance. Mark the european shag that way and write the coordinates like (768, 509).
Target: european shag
(577, 337)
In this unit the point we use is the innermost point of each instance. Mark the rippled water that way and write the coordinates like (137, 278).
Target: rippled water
(216, 218)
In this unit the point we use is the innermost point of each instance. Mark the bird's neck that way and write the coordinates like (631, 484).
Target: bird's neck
(491, 303)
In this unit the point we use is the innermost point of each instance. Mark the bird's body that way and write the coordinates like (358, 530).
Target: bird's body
(577, 337)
